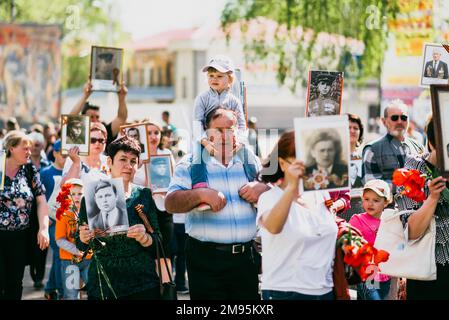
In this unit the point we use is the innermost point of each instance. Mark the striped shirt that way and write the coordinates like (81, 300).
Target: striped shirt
(441, 211)
(236, 222)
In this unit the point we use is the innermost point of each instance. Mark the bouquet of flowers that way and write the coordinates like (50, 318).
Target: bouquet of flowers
(359, 255)
(413, 182)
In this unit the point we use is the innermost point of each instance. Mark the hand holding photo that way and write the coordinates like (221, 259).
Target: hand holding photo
(324, 93)
(106, 68)
(106, 206)
(324, 147)
(75, 132)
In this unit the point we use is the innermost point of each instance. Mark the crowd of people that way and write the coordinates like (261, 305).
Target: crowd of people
(228, 215)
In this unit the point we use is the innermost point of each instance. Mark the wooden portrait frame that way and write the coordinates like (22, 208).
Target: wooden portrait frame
(98, 83)
(336, 86)
(144, 157)
(84, 148)
(148, 175)
(441, 138)
(2, 168)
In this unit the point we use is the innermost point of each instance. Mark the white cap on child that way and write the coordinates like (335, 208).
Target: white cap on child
(220, 63)
(380, 187)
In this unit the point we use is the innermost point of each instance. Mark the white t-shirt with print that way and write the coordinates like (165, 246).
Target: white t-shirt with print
(300, 258)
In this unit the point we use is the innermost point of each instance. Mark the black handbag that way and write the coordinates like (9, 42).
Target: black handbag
(167, 289)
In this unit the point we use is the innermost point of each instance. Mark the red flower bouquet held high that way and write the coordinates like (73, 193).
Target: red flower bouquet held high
(412, 181)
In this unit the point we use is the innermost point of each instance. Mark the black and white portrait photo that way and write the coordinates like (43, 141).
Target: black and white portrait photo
(435, 61)
(106, 68)
(75, 132)
(355, 175)
(324, 93)
(323, 145)
(139, 133)
(2, 168)
(106, 206)
(159, 173)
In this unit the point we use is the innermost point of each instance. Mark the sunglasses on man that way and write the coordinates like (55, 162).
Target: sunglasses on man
(395, 117)
(95, 140)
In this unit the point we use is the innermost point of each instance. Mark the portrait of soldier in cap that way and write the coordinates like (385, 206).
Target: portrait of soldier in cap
(324, 93)
(104, 67)
(76, 132)
(159, 173)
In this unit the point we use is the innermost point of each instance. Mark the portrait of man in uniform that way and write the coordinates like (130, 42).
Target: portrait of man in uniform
(434, 67)
(324, 94)
(159, 172)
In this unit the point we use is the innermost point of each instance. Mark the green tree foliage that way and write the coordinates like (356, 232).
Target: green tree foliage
(307, 34)
(84, 23)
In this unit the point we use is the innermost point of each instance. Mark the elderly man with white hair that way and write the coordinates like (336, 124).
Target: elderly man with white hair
(436, 68)
(382, 156)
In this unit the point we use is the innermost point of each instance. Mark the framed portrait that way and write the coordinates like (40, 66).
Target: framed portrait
(75, 132)
(440, 111)
(106, 68)
(138, 132)
(324, 93)
(434, 68)
(159, 171)
(324, 147)
(2, 168)
(106, 206)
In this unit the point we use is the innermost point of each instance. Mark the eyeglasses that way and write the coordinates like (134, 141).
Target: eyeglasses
(95, 140)
(395, 117)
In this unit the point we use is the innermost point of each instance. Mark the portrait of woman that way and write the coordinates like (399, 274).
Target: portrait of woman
(325, 167)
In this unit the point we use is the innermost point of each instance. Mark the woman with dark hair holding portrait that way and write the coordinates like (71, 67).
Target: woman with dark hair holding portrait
(418, 220)
(23, 214)
(127, 260)
(298, 231)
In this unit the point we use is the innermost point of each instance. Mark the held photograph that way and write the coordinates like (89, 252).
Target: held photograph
(324, 147)
(138, 132)
(106, 207)
(106, 68)
(324, 93)
(440, 111)
(2, 168)
(435, 65)
(159, 171)
(75, 132)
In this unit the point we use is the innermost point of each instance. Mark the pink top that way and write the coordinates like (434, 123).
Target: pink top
(368, 226)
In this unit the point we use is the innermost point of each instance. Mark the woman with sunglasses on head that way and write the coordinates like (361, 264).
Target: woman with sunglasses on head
(92, 166)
